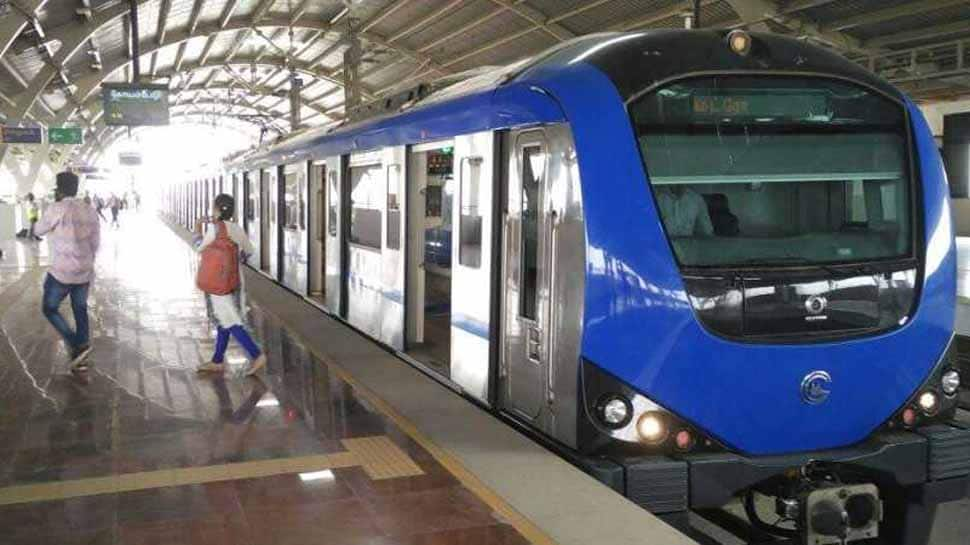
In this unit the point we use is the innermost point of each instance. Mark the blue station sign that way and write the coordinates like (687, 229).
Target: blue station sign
(22, 135)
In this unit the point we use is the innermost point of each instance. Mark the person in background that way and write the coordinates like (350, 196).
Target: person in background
(227, 311)
(114, 203)
(33, 215)
(99, 207)
(684, 212)
(75, 235)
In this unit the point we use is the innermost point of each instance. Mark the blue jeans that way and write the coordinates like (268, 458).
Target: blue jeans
(55, 292)
(222, 342)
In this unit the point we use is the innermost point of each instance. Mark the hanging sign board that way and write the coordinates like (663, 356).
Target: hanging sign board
(22, 135)
(129, 159)
(134, 105)
(65, 135)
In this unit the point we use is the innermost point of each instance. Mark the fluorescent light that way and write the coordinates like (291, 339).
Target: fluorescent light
(339, 16)
(324, 475)
(268, 402)
(236, 361)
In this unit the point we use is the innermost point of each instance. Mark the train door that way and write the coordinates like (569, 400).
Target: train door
(525, 277)
(253, 194)
(335, 226)
(471, 281)
(364, 242)
(317, 223)
(294, 223)
(392, 248)
(431, 187)
(268, 221)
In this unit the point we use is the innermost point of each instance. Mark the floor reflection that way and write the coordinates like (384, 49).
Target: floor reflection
(143, 416)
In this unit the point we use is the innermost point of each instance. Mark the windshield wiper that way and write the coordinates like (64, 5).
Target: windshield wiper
(793, 260)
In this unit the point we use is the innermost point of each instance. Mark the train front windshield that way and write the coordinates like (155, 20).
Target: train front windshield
(765, 170)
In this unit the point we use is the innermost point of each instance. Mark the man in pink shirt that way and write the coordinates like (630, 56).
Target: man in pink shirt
(74, 234)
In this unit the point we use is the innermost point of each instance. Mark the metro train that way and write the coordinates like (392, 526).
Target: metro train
(704, 266)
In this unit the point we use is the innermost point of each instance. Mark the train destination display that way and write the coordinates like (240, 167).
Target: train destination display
(134, 105)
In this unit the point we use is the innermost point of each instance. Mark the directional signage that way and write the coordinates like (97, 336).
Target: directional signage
(129, 158)
(22, 135)
(65, 135)
(134, 105)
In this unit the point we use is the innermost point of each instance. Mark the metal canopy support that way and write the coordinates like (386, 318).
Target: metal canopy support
(296, 101)
(133, 35)
(351, 70)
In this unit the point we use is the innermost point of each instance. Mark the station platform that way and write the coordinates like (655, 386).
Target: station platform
(337, 443)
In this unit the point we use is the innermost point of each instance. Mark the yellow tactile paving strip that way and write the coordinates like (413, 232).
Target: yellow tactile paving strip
(382, 459)
(378, 456)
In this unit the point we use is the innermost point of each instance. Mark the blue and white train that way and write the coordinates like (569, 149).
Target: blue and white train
(704, 266)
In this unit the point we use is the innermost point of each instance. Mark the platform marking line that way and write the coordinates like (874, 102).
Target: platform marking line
(378, 456)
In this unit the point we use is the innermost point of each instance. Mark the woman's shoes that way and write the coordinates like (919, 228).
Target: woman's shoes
(210, 367)
(256, 365)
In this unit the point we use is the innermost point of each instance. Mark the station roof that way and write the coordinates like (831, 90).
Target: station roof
(233, 59)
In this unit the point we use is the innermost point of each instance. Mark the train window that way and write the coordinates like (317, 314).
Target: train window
(470, 215)
(532, 167)
(394, 195)
(333, 200)
(761, 170)
(365, 207)
(293, 201)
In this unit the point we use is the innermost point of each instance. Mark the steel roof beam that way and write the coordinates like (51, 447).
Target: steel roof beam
(227, 13)
(261, 10)
(537, 19)
(194, 17)
(74, 35)
(802, 5)
(937, 31)
(384, 13)
(889, 14)
(758, 12)
(164, 7)
(16, 21)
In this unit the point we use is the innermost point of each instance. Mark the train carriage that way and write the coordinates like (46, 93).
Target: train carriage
(702, 265)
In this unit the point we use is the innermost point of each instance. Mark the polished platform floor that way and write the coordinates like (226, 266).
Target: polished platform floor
(145, 451)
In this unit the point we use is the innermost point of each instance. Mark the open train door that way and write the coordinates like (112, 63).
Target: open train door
(317, 250)
(334, 227)
(392, 248)
(471, 286)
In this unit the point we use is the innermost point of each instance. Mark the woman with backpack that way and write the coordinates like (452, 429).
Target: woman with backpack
(220, 278)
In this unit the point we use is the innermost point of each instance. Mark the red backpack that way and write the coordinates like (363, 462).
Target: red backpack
(219, 267)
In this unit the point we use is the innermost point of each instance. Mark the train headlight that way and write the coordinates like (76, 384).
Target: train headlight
(928, 402)
(615, 411)
(950, 382)
(652, 427)
(740, 42)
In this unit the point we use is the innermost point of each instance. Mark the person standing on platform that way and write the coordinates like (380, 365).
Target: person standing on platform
(220, 245)
(75, 235)
(33, 215)
(115, 204)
